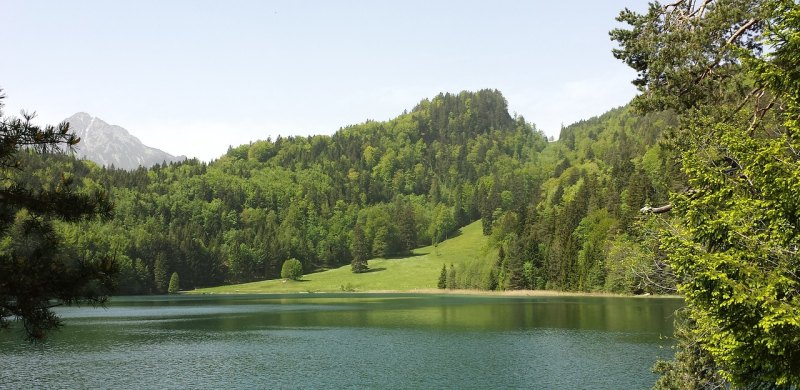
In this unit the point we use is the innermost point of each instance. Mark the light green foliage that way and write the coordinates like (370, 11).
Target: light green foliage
(442, 223)
(730, 70)
(174, 283)
(292, 269)
(378, 190)
(451, 278)
(238, 218)
(625, 261)
(592, 235)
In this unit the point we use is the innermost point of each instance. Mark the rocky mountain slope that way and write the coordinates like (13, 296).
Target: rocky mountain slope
(109, 145)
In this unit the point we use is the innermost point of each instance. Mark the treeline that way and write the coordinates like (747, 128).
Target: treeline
(561, 215)
(585, 230)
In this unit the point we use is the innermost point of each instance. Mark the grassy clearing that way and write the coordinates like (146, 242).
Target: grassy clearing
(420, 271)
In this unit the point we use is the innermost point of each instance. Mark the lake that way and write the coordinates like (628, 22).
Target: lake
(334, 341)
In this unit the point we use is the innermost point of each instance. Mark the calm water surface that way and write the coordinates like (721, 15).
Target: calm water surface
(335, 341)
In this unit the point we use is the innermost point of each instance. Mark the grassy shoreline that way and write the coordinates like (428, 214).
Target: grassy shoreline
(415, 274)
(470, 292)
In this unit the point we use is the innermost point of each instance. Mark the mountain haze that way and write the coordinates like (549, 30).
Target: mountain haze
(109, 145)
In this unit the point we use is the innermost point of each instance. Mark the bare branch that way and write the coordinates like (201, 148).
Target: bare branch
(741, 30)
(699, 11)
(656, 210)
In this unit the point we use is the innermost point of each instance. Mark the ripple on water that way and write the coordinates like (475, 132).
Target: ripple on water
(438, 344)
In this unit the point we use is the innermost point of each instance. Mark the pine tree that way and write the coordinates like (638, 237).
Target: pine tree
(360, 250)
(442, 278)
(174, 283)
(35, 272)
(160, 273)
(451, 278)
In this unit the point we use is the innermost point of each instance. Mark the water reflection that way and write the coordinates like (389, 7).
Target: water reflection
(348, 340)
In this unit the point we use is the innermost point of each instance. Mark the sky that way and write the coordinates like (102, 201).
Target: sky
(194, 77)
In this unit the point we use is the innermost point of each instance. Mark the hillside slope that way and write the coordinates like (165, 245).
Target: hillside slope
(467, 252)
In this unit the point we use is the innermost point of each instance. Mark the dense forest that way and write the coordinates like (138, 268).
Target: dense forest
(560, 215)
(692, 188)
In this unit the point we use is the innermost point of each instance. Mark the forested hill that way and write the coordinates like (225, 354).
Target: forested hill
(403, 183)
(587, 231)
(559, 215)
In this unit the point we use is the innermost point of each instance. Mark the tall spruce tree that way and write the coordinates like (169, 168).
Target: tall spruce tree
(442, 283)
(360, 250)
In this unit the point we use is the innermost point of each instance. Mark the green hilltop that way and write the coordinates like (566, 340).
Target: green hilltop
(532, 213)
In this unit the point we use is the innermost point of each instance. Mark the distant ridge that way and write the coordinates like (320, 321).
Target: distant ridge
(109, 145)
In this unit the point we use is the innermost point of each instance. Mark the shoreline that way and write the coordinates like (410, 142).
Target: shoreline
(520, 293)
(468, 292)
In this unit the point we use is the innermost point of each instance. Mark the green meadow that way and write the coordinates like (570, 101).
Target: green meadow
(467, 251)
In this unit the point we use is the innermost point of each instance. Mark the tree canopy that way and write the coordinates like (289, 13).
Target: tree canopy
(292, 269)
(731, 70)
(37, 272)
(565, 214)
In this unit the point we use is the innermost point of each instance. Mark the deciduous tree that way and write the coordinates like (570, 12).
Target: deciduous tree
(292, 269)
(731, 69)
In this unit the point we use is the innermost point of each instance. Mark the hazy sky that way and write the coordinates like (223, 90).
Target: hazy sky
(193, 77)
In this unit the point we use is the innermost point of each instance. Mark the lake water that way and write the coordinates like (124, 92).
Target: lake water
(335, 341)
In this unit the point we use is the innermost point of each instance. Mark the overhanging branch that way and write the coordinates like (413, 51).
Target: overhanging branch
(656, 210)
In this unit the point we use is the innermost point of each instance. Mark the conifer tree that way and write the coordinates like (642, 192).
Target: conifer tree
(442, 278)
(160, 273)
(360, 250)
(36, 272)
(451, 278)
(174, 283)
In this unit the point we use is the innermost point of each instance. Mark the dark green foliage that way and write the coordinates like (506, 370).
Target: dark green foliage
(730, 70)
(306, 198)
(292, 269)
(406, 182)
(442, 278)
(174, 283)
(451, 278)
(238, 218)
(360, 251)
(37, 271)
(693, 367)
(160, 272)
(380, 189)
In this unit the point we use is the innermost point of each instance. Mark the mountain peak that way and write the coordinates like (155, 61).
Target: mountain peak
(113, 145)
